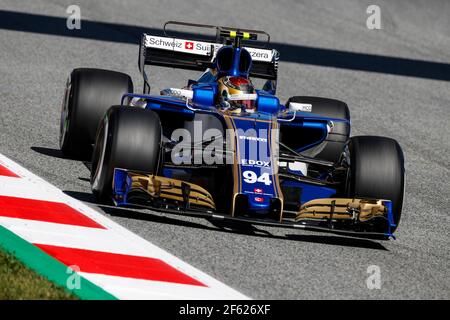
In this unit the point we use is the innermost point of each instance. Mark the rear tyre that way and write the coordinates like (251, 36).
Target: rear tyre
(377, 171)
(128, 138)
(89, 94)
(336, 140)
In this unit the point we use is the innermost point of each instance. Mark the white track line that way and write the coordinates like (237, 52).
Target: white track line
(140, 289)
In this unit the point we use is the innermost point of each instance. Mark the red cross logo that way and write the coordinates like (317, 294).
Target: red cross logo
(257, 190)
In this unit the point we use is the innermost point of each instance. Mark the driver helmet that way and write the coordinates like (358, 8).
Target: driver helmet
(237, 93)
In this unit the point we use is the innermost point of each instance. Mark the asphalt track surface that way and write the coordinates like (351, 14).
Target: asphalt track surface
(396, 81)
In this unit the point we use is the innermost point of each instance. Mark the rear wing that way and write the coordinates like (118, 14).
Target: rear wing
(198, 55)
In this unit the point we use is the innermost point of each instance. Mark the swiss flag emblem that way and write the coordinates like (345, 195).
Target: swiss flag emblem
(189, 45)
(257, 190)
(259, 199)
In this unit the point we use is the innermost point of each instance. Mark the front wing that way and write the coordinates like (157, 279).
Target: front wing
(335, 215)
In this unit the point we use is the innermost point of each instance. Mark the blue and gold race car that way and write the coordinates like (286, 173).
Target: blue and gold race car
(218, 147)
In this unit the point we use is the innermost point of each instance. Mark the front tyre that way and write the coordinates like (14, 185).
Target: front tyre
(377, 171)
(127, 138)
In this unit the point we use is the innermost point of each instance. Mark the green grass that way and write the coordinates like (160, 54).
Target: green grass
(18, 282)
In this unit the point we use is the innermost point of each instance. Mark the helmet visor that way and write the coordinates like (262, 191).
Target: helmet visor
(246, 101)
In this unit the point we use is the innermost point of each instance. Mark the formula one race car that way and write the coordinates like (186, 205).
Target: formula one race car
(219, 148)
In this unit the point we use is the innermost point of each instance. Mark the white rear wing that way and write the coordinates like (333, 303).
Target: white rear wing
(200, 47)
(198, 55)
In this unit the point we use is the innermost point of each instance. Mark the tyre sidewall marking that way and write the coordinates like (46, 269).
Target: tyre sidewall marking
(65, 114)
(99, 169)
